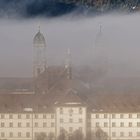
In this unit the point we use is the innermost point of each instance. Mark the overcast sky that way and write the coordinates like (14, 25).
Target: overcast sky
(120, 43)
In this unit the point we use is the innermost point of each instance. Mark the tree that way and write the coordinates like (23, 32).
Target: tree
(41, 136)
(100, 134)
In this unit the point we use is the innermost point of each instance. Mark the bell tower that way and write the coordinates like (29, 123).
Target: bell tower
(39, 50)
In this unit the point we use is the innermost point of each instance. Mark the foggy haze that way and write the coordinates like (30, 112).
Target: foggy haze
(118, 50)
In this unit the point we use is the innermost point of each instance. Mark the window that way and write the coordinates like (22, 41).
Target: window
(80, 128)
(71, 120)
(121, 124)
(138, 134)
(138, 115)
(130, 124)
(44, 116)
(121, 134)
(113, 124)
(70, 129)
(44, 124)
(11, 134)
(36, 124)
(105, 124)
(80, 110)
(19, 124)
(130, 134)
(97, 124)
(19, 116)
(138, 124)
(52, 116)
(2, 124)
(61, 110)
(61, 120)
(27, 124)
(2, 116)
(130, 115)
(36, 116)
(10, 124)
(10, 116)
(113, 116)
(71, 111)
(19, 134)
(2, 134)
(27, 134)
(27, 116)
(80, 120)
(105, 116)
(52, 124)
(113, 134)
(97, 116)
(121, 116)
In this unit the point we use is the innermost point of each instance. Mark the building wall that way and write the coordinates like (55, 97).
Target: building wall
(122, 126)
(26, 125)
(70, 119)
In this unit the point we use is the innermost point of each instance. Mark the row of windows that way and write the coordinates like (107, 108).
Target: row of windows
(115, 116)
(20, 134)
(71, 120)
(122, 134)
(27, 116)
(11, 134)
(71, 111)
(121, 124)
(71, 129)
(27, 124)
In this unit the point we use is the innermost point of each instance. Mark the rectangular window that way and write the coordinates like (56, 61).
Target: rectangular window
(121, 124)
(80, 120)
(97, 116)
(2, 134)
(113, 124)
(70, 129)
(61, 120)
(97, 124)
(130, 134)
(138, 124)
(44, 116)
(80, 128)
(44, 124)
(113, 116)
(19, 124)
(11, 134)
(71, 120)
(27, 134)
(36, 116)
(10, 116)
(105, 124)
(130, 115)
(105, 116)
(121, 116)
(130, 124)
(80, 110)
(113, 134)
(61, 110)
(121, 134)
(52, 116)
(2, 116)
(19, 116)
(2, 124)
(27, 124)
(36, 124)
(52, 124)
(27, 116)
(10, 124)
(19, 134)
(138, 134)
(138, 115)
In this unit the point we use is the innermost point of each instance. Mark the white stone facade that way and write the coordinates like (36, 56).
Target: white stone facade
(27, 125)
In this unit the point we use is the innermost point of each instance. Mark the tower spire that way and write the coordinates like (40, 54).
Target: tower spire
(68, 64)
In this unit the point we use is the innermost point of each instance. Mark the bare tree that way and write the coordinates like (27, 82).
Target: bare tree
(41, 136)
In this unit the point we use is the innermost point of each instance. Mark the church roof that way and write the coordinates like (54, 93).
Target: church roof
(39, 38)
